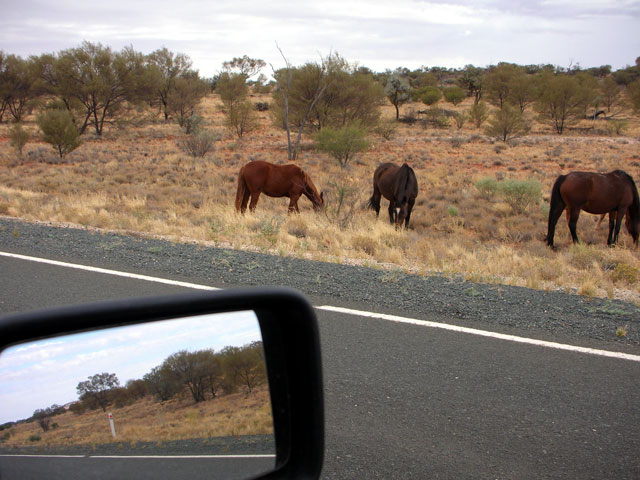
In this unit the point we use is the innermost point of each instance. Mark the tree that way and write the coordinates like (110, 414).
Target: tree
(232, 88)
(351, 97)
(184, 97)
(562, 99)
(610, 94)
(634, 93)
(245, 366)
(97, 387)
(507, 123)
(398, 92)
(168, 67)
(96, 83)
(16, 86)
(162, 383)
(242, 119)
(304, 102)
(189, 369)
(43, 417)
(247, 67)
(342, 144)
(471, 81)
(497, 83)
(59, 130)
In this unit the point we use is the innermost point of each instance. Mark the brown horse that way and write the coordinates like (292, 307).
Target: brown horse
(400, 187)
(614, 193)
(275, 181)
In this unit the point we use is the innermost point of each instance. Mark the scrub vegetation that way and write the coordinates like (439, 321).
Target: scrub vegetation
(165, 162)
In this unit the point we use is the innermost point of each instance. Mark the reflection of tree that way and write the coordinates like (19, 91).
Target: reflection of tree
(97, 388)
(245, 366)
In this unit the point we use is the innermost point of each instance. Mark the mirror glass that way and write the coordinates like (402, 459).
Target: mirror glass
(180, 398)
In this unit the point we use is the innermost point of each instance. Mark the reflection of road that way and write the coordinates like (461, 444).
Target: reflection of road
(152, 468)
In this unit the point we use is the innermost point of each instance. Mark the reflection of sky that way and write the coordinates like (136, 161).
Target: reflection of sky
(38, 374)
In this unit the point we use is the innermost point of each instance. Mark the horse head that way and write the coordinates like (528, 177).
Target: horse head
(318, 201)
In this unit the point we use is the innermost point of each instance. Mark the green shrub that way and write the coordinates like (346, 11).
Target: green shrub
(19, 137)
(35, 438)
(343, 143)
(520, 194)
(454, 95)
(59, 130)
(429, 95)
(487, 186)
(453, 211)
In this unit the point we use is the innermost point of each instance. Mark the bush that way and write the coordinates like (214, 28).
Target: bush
(191, 124)
(343, 143)
(507, 123)
(479, 113)
(19, 137)
(428, 95)
(617, 127)
(487, 186)
(242, 119)
(35, 438)
(520, 194)
(199, 144)
(454, 95)
(59, 130)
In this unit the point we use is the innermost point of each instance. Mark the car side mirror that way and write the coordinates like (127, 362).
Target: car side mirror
(287, 355)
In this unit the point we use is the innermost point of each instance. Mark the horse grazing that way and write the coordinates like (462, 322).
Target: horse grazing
(614, 193)
(399, 186)
(275, 181)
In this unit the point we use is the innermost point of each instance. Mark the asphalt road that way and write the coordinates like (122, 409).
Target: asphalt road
(122, 468)
(405, 401)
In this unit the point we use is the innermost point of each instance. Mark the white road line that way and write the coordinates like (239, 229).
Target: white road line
(144, 456)
(109, 272)
(361, 313)
(483, 333)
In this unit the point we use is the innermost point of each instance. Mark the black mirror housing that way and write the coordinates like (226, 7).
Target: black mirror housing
(291, 346)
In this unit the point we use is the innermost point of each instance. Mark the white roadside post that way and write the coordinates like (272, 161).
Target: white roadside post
(113, 427)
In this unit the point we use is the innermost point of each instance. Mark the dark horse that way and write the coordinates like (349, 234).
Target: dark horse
(275, 181)
(614, 193)
(399, 186)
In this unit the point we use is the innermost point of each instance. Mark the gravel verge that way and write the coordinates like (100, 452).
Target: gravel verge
(551, 315)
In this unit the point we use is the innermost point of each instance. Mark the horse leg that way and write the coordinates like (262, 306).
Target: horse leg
(410, 204)
(612, 222)
(293, 204)
(573, 222)
(619, 214)
(392, 213)
(254, 201)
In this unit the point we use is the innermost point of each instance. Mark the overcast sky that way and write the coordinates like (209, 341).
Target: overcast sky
(379, 34)
(39, 374)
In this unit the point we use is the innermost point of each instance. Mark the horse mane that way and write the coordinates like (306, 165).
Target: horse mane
(402, 181)
(309, 184)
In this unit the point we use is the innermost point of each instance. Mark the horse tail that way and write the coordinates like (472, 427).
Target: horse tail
(404, 175)
(556, 205)
(242, 188)
(634, 210)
